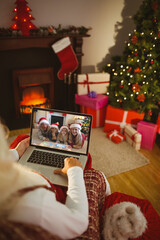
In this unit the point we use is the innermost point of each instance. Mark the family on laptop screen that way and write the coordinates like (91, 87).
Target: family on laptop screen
(60, 130)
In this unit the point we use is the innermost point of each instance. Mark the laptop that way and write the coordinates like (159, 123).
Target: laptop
(56, 151)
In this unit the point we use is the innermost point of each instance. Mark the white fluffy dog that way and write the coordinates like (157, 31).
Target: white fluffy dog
(123, 221)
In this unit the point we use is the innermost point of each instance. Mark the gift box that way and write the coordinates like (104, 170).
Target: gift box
(117, 118)
(133, 137)
(116, 136)
(92, 82)
(98, 115)
(95, 103)
(148, 131)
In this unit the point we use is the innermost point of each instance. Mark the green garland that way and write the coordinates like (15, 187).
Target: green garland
(46, 31)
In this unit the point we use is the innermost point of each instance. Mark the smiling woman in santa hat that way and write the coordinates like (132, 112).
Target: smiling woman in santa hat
(75, 136)
(43, 129)
(63, 135)
(53, 133)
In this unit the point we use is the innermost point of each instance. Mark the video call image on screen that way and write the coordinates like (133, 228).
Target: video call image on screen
(63, 131)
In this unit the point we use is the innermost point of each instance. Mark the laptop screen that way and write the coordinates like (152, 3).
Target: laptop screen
(60, 130)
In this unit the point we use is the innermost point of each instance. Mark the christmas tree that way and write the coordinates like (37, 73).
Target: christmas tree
(135, 76)
(23, 18)
(86, 125)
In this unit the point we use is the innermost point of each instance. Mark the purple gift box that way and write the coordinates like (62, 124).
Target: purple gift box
(95, 103)
(148, 131)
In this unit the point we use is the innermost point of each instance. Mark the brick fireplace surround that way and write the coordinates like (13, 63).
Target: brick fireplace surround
(34, 52)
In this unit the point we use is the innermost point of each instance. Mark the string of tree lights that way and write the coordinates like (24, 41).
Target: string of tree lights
(135, 76)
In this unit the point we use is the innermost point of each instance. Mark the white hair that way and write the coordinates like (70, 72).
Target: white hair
(13, 176)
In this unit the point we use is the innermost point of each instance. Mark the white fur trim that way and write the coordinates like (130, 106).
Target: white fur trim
(75, 125)
(63, 128)
(53, 126)
(44, 121)
(61, 44)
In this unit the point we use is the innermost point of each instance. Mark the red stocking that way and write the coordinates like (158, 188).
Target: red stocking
(66, 55)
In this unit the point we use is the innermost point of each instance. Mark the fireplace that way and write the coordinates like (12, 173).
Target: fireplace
(20, 55)
(32, 88)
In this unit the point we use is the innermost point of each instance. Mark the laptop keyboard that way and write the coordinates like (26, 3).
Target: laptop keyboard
(47, 158)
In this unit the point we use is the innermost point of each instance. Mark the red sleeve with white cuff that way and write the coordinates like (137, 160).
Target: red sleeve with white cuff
(40, 207)
(14, 153)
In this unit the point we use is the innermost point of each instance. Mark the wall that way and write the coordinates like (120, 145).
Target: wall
(110, 21)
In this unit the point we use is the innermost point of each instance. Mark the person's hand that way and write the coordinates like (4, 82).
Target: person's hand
(68, 163)
(47, 139)
(22, 146)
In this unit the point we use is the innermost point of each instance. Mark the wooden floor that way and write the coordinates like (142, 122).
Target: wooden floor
(143, 182)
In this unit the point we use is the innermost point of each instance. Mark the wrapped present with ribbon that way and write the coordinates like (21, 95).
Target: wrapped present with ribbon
(149, 132)
(116, 136)
(98, 115)
(117, 118)
(96, 103)
(92, 82)
(133, 137)
(94, 106)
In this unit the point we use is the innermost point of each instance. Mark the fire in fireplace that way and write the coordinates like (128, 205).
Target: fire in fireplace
(33, 96)
(33, 87)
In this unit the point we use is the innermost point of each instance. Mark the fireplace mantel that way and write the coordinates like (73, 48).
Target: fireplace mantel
(15, 43)
(19, 43)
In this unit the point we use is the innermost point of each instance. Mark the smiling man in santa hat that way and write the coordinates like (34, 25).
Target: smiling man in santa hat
(75, 136)
(43, 129)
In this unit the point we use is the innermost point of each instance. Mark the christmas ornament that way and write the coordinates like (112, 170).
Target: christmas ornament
(52, 30)
(150, 113)
(121, 86)
(155, 19)
(66, 55)
(136, 87)
(141, 97)
(137, 70)
(92, 94)
(134, 39)
(129, 69)
(23, 18)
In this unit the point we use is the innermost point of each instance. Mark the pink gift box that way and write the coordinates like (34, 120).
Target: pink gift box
(95, 103)
(148, 131)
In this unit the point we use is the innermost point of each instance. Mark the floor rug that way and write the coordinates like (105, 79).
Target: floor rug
(111, 158)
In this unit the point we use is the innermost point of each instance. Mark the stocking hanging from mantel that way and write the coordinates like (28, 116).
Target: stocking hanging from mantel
(66, 55)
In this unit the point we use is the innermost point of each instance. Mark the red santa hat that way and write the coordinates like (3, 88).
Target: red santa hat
(75, 125)
(64, 127)
(43, 120)
(54, 125)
